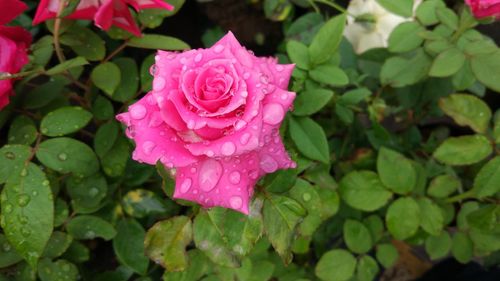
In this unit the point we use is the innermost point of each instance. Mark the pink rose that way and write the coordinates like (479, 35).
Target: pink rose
(484, 8)
(13, 43)
(105, 13)
(213, 115)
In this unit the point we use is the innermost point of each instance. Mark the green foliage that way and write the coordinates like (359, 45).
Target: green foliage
(398, 143)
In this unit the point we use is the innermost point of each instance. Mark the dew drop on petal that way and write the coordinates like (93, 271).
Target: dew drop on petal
(183, 60)
(273, 113)
(244, 94)
(246, 75)
(210, 173)
(198, 57)
(209, 153)
(235, 177)
(268, 164)
(148, 147)
(228, 148)
(138, 111)
(186, 185)
(239, 124)
(279, 68)
(153, 70)
(235, 202)
(158, 83)
(244, 138)
(219, 48)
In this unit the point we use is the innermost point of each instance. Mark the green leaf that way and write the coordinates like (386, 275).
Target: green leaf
(330, 75)
(402, 8)
(226, 236)
(156, 41)
(496, 129)
(387, 255)
(310, 139)
(462, 247)
(467, 110)
(354, 97)
(400, 178)
(90, 227)
(86, 193)
(311, 101)
(486, 69)
(367, 269)
(64, 120)
(146, 77)
(198, 267)
(305, 27)
(443, 186)
(61, 270)
(107, 77)
(364, 191)
(463, 150)
(487, 180)
(298, 53)
(140, 203)
(400, 71)
(484, 218)
(376, 227)
(464, 78)
(281, 216)
(12, 160)
(105, 137)
(8, 255)
(167, 240)
(115, 160)
(128, 245)
(306, 195)
(448, 17)
(84, 42)
(67, 155)
(77, 253)
(431, 216)
(22, 131)
(336, 265)
(327, 40)
(58, 244)
(28, 211)
(102, 108)
(438, 246)
(153, 18)
(405, 37)
(426, 12)
(62, 67)
(129, 80)
(45, 93)
(447, 63)
(357, 236)
(403, 218)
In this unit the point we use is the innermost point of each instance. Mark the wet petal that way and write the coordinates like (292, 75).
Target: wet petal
(212, 182)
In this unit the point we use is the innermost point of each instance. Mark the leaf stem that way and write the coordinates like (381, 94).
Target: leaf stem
(333, 5)
(466, 195)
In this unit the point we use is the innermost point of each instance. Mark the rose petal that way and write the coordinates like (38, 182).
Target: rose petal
(10, 10)
(215, 182)
(154, 143)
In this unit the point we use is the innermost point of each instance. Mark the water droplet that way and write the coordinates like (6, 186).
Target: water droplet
(235, 177)
(246, 75)
(138, 111)
(183, 60)
(158, 83)
(23, 199)
(228, 148)
(148, 147)
(23, 219)
(279, 68)
(10, 155)
(264, 79)
(45, 183)
(219, 48)
(198, 57)
(193, 170)
(209, 153)
(186, 184)
(191, 124)
(235, 202)
(210, 173)
(62, 156)
(34, 193)
(244, 94)
(306, 196)
(244, 138)
(268, 164)
(273, 113)
(284, 96)
(239, 124)
(93, 191)
(8, 208)
(153, 70)
(6, 247)
(90, 234)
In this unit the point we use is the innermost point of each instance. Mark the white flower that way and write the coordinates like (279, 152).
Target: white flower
(369, 24)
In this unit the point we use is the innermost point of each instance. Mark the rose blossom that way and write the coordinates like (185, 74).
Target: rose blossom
(484, 8)
(13, 43)
(369, 24)
(105, 13)
(213, 115)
